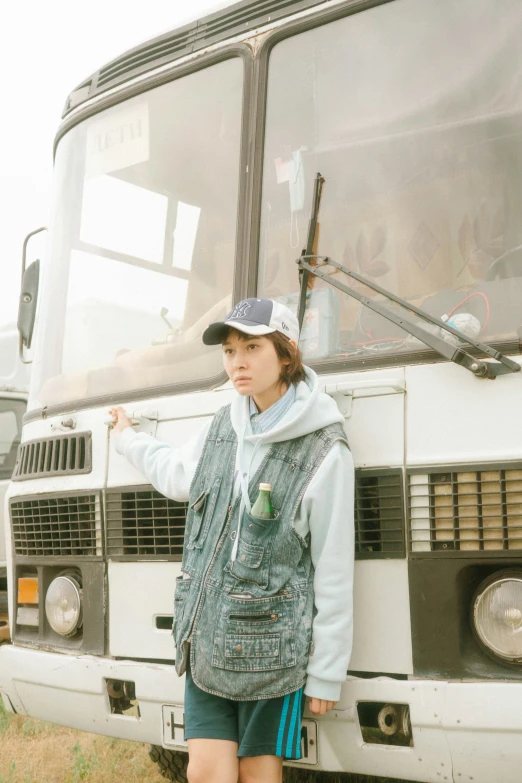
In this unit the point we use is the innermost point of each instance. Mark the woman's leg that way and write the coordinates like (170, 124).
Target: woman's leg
(260, 769)
(213, 761)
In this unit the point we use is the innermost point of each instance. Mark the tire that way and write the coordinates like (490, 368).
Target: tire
(172, 764)
(3, 602)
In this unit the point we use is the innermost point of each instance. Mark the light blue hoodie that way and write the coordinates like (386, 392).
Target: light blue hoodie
(326, 513)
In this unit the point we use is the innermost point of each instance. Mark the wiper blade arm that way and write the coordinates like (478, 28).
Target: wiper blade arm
(446, 349)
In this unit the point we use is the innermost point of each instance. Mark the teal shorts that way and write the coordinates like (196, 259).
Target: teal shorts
(269, 727)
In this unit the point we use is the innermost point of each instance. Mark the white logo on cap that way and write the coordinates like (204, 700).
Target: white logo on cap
(240, 311)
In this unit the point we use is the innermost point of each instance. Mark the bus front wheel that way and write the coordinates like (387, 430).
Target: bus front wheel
(172, 764)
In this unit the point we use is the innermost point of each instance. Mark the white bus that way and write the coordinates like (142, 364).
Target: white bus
(184, 174)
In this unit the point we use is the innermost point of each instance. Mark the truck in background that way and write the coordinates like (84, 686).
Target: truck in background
(14, 383)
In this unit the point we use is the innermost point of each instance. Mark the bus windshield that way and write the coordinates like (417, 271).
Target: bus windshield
(142, 242)
(413, 116)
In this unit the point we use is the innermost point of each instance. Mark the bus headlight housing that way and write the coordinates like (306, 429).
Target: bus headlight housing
(63, 605)
(497, 615)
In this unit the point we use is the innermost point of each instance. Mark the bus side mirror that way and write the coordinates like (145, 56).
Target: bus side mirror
(28, 301)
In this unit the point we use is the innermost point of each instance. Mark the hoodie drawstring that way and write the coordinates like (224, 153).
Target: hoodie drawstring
(243, 479)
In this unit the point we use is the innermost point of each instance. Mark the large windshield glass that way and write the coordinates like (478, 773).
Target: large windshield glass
(142, 242)
(412, 113)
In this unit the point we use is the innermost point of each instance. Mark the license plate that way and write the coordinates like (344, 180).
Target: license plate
(308, 742)
(173, 726)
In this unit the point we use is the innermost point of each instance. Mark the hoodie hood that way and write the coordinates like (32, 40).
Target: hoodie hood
(311, 411)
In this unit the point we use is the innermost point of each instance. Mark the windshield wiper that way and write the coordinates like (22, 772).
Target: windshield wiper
(448, 350)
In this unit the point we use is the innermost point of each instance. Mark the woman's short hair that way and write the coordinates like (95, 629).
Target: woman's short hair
(293, 369)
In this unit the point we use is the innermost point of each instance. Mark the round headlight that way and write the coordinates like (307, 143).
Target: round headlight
(63, 605)
(497, 615)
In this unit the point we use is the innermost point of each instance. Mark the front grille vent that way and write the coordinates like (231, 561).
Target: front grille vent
(235, 20)
(468, 510)
(247, 16)
(154, 53)
(144, 523)
(59, 456)
(60, 526)
(379, 514)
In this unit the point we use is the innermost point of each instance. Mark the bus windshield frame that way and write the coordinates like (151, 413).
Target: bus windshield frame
(288, 163)
(176, 243)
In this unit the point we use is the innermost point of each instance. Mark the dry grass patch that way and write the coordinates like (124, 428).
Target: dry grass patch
(32, 751)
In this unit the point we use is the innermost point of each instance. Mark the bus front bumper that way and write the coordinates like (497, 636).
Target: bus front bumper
(461, 731)
(73, 690)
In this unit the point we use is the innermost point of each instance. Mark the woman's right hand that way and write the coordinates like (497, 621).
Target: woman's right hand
(120, 420)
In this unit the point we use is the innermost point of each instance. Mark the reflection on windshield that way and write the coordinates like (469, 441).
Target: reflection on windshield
(418, 139)
(124, 217)
(143, 241)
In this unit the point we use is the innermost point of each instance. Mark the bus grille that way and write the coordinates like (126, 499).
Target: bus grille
(61, 456)
(236, 20)
(469, 510)
(56, 526)
(152, 54)
(144, 522)
(379, 514)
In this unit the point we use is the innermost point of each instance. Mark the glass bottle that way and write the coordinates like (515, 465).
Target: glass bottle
(262, 508)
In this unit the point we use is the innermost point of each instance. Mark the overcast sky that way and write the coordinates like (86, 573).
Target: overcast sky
(47, 47)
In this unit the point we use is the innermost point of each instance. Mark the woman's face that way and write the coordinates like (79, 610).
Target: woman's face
(252, 364)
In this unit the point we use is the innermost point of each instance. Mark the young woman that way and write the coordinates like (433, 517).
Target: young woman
(263, 609)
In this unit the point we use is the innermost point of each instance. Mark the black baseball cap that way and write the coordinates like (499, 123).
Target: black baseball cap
(255, 317)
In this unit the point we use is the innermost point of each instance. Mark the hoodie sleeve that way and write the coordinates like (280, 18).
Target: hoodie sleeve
(169, 469)
(328, 507)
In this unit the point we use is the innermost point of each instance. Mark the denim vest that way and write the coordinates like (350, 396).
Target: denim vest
(248, 623)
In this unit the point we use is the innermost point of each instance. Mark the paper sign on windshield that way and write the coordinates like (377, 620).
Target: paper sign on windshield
(118, 140)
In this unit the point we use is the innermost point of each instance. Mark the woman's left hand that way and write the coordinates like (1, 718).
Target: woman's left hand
(320, 706)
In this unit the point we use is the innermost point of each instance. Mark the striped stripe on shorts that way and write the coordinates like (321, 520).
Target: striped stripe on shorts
(268, 727)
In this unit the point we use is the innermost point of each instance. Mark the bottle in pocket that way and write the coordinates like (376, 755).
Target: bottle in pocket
(263, 508)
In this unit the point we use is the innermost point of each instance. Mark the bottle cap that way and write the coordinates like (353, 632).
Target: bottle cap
(265, 487)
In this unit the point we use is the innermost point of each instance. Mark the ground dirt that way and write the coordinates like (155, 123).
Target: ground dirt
(32, 751)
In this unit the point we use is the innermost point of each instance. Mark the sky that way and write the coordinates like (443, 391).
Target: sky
(47, 47)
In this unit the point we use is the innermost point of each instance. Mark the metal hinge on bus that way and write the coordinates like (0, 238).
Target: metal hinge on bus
(344, 393)
(146, 421)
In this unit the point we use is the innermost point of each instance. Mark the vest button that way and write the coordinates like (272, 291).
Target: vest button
(274, 616)
(243, 558)
(239, 648)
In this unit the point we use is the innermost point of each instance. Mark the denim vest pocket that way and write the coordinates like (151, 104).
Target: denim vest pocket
(251, 564)
(260, 526)
(203, 509)
(244, 651)
(255, 634)
(180, 594)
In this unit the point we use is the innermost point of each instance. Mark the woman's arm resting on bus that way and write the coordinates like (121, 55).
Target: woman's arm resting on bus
(328, 506)
(169, 469)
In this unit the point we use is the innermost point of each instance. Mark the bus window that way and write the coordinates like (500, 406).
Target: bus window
(419, 140)
(143, 240)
